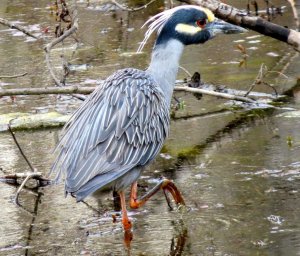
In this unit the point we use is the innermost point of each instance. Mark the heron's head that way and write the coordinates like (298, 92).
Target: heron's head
(187, 24)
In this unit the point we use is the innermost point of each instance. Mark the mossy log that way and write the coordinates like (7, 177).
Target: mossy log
(25, 121)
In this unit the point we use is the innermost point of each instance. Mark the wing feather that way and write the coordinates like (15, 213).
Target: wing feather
(122, 125)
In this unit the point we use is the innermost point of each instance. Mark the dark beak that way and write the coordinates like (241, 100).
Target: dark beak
(220, 26)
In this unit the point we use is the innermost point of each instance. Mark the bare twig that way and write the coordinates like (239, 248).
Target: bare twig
(29, 176)
(213, 93)
(186, 71)
(131, 9)
(18, 27)
(257, 80)
(14, 76)
(50, 45)
(12, 178)
(262, 73)
(91, 207)
(19, 147)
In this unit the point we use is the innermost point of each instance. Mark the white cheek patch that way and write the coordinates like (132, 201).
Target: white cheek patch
(187, 29)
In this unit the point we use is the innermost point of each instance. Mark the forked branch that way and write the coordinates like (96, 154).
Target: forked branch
(56, 41)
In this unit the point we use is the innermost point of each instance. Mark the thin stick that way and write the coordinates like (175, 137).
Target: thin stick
(66, 34)
(29, 176)
(262, 73)
(14, 76)
(21, 175)
(186, 71)
(257, 80)
(54, 42)
(19, 147)
(50, 45)
(18, 27)
(213, 93)
(91, 207)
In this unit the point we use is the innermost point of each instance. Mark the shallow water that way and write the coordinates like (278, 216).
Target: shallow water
(240, 179)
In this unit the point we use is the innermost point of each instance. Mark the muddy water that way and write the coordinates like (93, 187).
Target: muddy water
(239, 175)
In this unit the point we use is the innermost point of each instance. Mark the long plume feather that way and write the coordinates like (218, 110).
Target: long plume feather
(157, 22)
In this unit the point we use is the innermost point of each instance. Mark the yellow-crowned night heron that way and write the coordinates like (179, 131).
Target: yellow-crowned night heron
(122, 125)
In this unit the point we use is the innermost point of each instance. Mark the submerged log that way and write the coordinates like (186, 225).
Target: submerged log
(47, 90)
(209, 90)
(24, 121)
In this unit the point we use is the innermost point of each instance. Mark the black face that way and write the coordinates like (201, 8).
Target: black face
(187, 26)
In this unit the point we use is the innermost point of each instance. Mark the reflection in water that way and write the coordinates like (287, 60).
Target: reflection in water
(9, 152)
(38, 198)
(241, 180)
(178, 242)
(235, 186)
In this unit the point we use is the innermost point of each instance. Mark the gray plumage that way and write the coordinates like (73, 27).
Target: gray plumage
(119, 129)
(122, 126)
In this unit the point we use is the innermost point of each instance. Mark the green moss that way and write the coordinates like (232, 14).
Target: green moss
(188, 153)
(164, 149)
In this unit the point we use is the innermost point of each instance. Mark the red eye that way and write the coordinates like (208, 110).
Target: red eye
(201, 23)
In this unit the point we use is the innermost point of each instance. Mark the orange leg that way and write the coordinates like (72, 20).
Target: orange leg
(165, 185)
(125, 221)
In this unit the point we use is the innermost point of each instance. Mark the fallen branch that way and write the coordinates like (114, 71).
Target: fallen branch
(12, 178)
(14, 76)
(213, 93)
(233, 95)
(258, 24)
(48, 90)
(18, 27)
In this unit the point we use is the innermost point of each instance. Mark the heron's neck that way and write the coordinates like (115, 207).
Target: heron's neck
(164, 65)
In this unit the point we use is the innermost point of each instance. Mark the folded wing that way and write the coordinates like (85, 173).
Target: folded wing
(122, 125)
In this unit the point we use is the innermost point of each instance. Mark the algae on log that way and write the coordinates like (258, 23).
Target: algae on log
(24, 121)
(187, 153)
